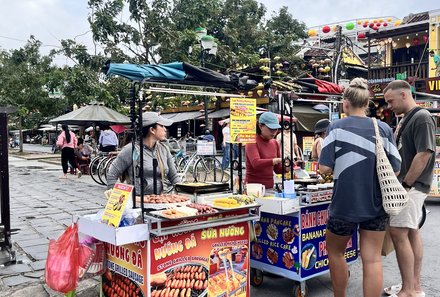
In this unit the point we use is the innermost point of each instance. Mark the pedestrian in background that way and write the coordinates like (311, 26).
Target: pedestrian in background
(349, 152)
(226, 145)
(108, 140)
(67, 142)
(415, 137)
(320, 133)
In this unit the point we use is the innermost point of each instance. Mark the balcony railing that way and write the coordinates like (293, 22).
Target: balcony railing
(392, 71)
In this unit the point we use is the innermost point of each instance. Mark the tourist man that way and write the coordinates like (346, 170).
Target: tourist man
(415, 139)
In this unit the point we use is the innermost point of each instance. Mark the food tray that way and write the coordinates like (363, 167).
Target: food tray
(182, 210)
(211, 203)
(159, 206)
(200, 188)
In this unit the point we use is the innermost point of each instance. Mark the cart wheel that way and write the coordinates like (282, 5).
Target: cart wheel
(256, 277)
(297, 290)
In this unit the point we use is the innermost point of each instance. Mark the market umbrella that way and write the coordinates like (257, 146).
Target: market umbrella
(118, 128)
(92, 114)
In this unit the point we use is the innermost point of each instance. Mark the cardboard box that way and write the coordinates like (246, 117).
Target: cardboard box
(116, 236)
(278, 205)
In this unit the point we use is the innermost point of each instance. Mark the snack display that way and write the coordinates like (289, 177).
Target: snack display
(172, 213)
(243, 199)
(114, 284)
(257, 251)
(288, 260)
(258, 229)
(225, 202)
(288, 235)
(272, 232)
(164, 198)
(219, 284)
(188, 280)
(202, 208)
(272, 255)
(308, 256)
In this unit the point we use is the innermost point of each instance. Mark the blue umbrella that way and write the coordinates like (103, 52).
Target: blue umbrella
(172, 71)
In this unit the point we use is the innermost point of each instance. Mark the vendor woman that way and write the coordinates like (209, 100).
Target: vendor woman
(264, 156)
(153, 131)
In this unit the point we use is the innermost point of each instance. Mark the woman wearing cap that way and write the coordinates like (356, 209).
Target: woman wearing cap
(349, 152)
(264, 156)
(320, 131)
(153, 132)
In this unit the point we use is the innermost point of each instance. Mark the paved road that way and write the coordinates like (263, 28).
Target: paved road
(42, 206)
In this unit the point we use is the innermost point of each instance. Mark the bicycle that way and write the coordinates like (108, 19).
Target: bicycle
(100, 165)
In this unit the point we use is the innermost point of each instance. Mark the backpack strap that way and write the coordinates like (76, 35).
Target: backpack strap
(405, 122)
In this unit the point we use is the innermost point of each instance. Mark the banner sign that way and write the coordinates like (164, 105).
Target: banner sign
(313, 245)
(243, 121)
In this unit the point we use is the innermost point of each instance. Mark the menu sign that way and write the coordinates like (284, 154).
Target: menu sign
(314, 258)
(127, 270)
(277, 241)
(243, 120)
(208, 262)
(116, 204)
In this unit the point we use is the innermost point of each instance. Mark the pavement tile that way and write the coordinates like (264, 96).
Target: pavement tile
(15, 269)
(35, 274)
(20, 236)
(18, 280)
(38, 265)
(32, 250)
(32, 242)
(39, 256)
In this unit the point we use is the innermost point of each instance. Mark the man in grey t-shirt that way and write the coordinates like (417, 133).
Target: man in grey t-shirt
(417, 149)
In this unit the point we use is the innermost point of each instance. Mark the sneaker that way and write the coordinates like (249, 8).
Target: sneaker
(79, 173)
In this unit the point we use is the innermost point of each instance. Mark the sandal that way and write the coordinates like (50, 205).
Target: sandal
(63, 176)
(420, 294)
(393, 290)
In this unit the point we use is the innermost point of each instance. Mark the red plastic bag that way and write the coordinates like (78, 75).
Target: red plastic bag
(62, 263)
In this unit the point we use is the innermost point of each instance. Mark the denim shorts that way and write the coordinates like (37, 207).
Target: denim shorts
(345, 228)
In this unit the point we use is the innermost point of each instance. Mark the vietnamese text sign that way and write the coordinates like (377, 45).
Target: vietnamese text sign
(116, 204)
(243, 120)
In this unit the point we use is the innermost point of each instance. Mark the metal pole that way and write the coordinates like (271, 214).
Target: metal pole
(4, 183)
(133, 131)
(282, 141)
(240, 172)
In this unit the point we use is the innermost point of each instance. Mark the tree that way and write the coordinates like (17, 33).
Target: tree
(161, 31)
(24, 76)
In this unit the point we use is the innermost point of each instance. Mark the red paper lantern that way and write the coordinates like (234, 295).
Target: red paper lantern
(361, 35)
(375, 27)
(378, 24)
(416, 41)
(385, 24)
(326, 29)
(365, 25)
(425, 38)
(371, 25)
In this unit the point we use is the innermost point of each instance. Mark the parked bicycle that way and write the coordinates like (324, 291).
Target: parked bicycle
(100, 165)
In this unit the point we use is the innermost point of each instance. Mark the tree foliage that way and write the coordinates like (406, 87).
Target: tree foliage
(161, 31)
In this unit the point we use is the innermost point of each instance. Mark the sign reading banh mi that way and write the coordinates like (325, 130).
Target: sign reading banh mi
(433, 85)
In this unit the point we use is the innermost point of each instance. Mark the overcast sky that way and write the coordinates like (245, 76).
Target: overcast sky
(53, 20)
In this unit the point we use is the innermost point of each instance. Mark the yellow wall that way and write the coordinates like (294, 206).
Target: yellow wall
(434, 40)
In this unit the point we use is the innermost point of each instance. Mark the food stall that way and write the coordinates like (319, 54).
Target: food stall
(191, 244)
(290, 236)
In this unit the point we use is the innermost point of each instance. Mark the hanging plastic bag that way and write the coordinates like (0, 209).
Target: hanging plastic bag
(62, 263)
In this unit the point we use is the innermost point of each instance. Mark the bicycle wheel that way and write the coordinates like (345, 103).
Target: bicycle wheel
(208, 169)
(103, 168)
(182, 162)
(94, 168)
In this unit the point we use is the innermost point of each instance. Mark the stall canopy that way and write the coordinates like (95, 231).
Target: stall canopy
(182, 73)
(87, 115)
(181, 116)
(307, 117)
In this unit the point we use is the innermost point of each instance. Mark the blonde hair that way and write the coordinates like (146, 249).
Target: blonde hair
(357, 93)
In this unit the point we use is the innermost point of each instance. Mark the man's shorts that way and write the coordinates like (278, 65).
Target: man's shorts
(345, 228)
(411, 215)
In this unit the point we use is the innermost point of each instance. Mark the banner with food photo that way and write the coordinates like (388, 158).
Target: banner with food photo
(277, 241)
(243, 112)
(314, 258)
(209, 262)
(126, 273)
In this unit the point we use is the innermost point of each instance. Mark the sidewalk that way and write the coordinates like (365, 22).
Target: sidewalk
(42, 206)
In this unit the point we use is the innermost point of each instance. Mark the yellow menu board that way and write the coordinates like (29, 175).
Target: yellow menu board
(116, 204)
(243, 120)
(307, 144)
